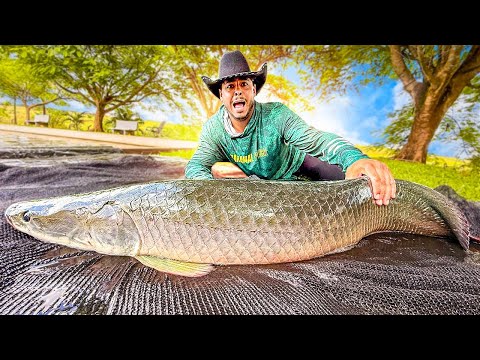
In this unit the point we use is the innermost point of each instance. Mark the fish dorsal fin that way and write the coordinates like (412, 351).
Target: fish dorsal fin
(176, 267)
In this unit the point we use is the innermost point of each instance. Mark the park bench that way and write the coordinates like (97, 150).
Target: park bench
(156, 129)
(41, 119)
(125, 125)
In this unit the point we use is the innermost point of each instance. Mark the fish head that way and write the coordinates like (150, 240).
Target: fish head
(102, 225)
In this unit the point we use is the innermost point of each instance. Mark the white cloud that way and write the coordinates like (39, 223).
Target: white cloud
(336, 117)
(400, 96)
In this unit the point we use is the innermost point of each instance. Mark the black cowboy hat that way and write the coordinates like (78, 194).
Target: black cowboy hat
(233, 64)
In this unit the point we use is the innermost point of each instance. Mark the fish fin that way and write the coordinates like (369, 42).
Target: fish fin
(176, 267)
(475, 238)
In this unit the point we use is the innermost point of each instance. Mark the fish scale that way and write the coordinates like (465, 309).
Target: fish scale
(236, 221)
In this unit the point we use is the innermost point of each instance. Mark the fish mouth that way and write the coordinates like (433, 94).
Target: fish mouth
(7, 218)
(14, 211)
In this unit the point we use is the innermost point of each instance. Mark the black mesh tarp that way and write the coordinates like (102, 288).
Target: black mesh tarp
(383, 274)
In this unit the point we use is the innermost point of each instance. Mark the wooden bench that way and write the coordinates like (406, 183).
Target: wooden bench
(41, 119)
(125, 125)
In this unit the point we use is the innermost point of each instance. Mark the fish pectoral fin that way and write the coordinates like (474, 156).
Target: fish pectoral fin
(176, 267)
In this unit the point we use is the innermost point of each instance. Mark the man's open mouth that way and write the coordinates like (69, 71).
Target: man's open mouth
(239, 104)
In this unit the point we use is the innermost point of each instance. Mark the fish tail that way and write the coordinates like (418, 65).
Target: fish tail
(457, 221)
(452, 215)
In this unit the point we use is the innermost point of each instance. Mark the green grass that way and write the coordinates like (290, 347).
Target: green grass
(184, 154)
(439, 170)
(176, 131)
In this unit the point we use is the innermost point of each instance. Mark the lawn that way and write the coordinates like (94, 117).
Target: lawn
(439, 170)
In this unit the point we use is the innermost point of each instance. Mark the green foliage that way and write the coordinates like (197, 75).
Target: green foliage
(401, 122)
(184, 154)
(74, 119)
(181, 132)
(463, 180)
(332, 69)
(472, 92)
(475, 165)
(57, 118)
(19, 80)
(126, 113)
(3, 112)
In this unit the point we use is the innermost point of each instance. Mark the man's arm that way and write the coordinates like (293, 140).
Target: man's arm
(337, 150)
(324, 145)
(207, 154)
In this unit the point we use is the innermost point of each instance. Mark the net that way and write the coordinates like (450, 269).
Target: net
(383, 274)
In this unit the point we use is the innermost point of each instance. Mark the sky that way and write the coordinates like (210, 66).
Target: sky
(357, 116)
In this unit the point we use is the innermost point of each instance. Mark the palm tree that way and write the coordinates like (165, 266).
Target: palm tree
(125, 113)
(74, 118)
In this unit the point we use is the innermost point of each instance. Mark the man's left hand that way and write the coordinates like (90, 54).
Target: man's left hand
(382, 181)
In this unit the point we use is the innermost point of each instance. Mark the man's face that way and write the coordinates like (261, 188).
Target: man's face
(237, 96)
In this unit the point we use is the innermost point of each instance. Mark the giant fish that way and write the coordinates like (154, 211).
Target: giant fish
(186, 227)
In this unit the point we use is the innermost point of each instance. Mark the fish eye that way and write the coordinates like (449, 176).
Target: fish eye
(26, 216)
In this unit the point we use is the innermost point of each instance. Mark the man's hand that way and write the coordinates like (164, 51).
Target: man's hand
(382, 181)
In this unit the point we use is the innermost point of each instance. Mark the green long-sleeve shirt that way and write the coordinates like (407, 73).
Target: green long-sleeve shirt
(272, 146)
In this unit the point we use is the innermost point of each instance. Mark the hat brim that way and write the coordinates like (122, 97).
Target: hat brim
(259, 77)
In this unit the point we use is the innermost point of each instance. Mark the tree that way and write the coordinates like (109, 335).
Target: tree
(18, 81)
(107, 76)
(75, 119)
(433, 75)
(446, 71)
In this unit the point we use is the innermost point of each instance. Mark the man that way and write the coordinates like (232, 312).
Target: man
(269, 140)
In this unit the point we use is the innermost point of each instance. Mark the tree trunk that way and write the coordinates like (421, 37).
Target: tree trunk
(99, 115)
(27, 112)
(15, 110)
(424, 126)
(44, 110)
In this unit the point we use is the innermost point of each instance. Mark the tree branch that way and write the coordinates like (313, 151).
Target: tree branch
(424, 61)
(401, 69)
(74, 93)
(46, 102)
(451, 65)
(471, 63)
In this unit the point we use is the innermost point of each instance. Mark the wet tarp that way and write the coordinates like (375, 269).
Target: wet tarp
(383, 274)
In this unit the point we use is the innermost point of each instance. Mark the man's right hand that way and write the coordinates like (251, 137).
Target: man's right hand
(381, 179)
